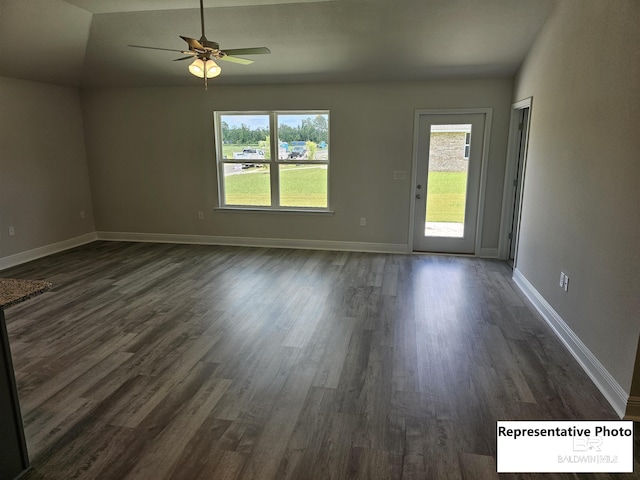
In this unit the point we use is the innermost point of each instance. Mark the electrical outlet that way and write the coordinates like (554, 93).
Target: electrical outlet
(200, 215)
(562, 275)
(82, 215)
(12, 231)
(399, 175)
(363, 221)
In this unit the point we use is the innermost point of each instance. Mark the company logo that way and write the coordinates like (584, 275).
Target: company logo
(585, 444)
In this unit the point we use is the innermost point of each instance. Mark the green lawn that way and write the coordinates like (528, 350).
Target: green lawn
(299, 187)
(248, 188)
(446, 196)
(306, 186)
(303, 186)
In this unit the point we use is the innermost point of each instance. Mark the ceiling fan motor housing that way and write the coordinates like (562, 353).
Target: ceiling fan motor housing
(209, 44)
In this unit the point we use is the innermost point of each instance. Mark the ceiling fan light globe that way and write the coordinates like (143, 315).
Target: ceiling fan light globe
(197, 68)
(212, 69)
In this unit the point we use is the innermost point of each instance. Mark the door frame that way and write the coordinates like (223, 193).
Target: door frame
(509, 189)
(488, 112)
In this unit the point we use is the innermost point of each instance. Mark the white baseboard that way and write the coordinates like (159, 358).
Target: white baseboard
(254, 242)
(29, 255)
(488, 253)
(605, 382)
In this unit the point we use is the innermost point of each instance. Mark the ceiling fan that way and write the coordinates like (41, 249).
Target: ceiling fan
(203, 52)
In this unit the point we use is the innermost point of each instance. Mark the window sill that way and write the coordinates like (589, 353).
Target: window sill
(290, 211)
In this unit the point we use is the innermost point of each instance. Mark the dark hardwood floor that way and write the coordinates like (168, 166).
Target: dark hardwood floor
(159, 361)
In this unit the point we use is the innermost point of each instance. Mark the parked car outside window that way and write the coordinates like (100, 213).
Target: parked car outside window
(299, 152)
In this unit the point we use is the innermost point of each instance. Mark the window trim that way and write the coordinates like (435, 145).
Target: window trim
(274, 163)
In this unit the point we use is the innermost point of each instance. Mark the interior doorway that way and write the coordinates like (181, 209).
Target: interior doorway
(514, 179)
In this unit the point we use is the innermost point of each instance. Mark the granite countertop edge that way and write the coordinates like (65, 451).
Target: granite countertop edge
(14, 291)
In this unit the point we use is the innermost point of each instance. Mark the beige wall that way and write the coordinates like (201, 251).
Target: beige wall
(44, 181)
(581, 196)
(152, 165)
(43, 40)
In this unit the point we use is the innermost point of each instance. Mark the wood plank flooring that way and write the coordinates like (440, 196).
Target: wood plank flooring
(159, 361)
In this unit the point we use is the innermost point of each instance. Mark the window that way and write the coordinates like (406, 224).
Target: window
(273, 160)
(467, 145)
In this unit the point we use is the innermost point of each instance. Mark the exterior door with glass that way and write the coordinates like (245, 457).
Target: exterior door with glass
(447, 181)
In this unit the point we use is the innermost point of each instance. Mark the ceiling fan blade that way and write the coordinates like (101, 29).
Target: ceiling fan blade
(248, 51)
(158, 48)
(193, 43)
(190, 57)
(241, 61)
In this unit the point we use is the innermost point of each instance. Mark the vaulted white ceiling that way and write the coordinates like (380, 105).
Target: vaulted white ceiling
(84, 42)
